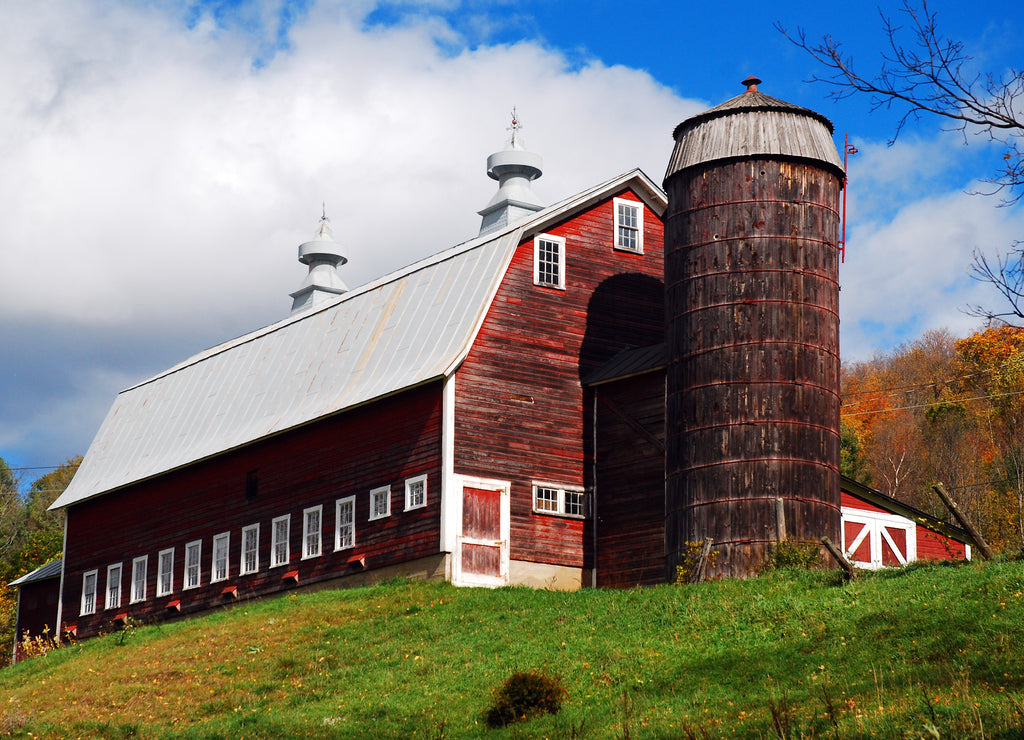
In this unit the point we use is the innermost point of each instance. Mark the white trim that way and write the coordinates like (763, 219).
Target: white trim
(242, 570)
(473, 579)
(60, 594)
(165, 575)
(639, 228)
(351, 502)
(224, 537)
(83, 608)
(114, 603)
(376, 493)
(139, 565)
(197, 546)
(308, 552)
(409, 483)
(560, 265)
(451, 490)
(280, 547)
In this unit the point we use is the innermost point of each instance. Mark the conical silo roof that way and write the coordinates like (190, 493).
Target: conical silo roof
(754, 125)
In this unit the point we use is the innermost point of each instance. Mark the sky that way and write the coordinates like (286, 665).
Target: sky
(161, 161)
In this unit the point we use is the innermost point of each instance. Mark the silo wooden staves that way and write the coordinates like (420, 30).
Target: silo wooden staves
(752, 299)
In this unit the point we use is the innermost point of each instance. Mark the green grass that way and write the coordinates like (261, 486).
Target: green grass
(923, 652)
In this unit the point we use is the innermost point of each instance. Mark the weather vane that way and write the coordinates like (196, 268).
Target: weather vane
(516, 125)
(323, 212)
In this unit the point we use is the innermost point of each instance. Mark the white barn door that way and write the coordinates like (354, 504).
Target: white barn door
(875, 540)
(481, 551)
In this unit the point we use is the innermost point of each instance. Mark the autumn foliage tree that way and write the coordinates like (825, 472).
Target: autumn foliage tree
(30, 535)
(944, 410)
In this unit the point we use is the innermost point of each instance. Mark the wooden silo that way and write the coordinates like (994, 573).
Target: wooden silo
(752, 299)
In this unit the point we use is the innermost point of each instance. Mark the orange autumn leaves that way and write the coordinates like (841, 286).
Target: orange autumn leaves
(943, 410)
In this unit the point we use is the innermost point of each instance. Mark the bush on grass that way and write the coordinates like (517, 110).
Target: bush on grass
(525, 695)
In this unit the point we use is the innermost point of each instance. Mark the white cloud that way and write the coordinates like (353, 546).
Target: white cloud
(159, 176)
(909, 274)
(157, 182)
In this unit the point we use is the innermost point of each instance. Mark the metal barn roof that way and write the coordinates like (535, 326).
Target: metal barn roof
(402, 330)
(42, 573)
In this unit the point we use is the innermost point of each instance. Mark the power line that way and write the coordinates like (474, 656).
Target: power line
(934, 403)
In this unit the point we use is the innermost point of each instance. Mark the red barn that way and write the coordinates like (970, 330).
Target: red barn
(431, 423)
(493, 414)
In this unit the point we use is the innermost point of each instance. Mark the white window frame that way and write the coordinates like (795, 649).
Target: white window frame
(410, 485)
(380, 494)
(89, 580)
(558, 496)
(312, 532)
(165, 572)
(254, 529)
(559, 265)
(113, 600)
(638, 229)
(345, 523)
(140, 566)
(280, 540)
(193, 565)
(221, 560)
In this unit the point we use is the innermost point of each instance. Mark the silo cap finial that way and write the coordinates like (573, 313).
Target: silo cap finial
(751, 83)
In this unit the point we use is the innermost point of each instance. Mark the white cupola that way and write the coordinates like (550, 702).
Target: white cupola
(514, 168)
(324, 256)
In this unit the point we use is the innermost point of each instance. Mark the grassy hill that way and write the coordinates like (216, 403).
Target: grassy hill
(928, 651)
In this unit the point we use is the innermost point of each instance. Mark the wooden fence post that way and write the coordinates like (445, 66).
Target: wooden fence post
(845, 564)
(964, 522)
(698, 570)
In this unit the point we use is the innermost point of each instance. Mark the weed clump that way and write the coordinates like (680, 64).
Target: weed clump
(524, 695)
(794, 553)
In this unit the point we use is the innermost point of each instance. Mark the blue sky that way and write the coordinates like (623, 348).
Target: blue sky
(161, 161)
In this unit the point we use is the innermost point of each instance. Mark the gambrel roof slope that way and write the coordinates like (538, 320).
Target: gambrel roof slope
(405, 329)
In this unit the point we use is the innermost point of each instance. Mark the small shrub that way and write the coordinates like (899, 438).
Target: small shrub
(525, 695)
(34, 646)
(690, 561)
(794, 553)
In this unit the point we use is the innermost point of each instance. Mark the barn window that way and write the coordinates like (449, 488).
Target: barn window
(165, 572)
(345, 528)
(280, 530)
(113, 586)
(416, 492)
(380, 503)
(221, 548)
(139, 566)
(549, 498)
(311, 546)
(549, 261)
(88, 592)
(629, 225)
(250, 549)
(193, 552)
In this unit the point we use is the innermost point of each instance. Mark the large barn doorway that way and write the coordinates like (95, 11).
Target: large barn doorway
(481, 557)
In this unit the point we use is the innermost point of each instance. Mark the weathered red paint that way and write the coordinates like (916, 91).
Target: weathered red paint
(383, 443)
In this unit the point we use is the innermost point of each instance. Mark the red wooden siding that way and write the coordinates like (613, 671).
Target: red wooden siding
(349, 454)
(629, 501)
(934, 546)
(37, 610)
(520, 412)
(857, 503)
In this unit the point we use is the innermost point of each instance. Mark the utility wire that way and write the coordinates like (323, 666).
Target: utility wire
(933, 403)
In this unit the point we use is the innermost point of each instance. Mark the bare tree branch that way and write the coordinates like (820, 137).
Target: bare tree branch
(923, 72)
(1006, 275)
